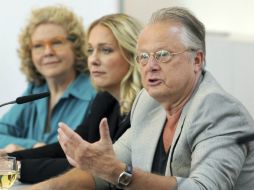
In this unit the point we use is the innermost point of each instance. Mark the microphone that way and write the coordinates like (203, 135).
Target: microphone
(245, 139)
(29, 98)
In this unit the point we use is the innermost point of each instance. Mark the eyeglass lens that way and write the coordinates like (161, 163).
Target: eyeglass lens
(56, 43)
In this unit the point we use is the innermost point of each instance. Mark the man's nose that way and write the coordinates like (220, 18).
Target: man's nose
(152, 61)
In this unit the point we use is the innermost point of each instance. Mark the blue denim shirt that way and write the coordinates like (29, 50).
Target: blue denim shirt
(25, 124)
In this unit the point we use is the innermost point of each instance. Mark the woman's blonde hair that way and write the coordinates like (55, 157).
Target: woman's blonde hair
(59, 15)
(125, 29)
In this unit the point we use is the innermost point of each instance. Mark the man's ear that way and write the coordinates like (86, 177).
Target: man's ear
(199, 60)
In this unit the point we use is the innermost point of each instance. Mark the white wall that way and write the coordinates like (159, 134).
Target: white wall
(230, 39)
(231, 16)
(226, 16)
(13, 14)
(231, 62)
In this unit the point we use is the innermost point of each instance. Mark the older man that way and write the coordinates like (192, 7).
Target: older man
(183, 125)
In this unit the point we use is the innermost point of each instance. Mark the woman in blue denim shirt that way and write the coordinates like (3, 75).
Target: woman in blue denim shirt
(53, 58)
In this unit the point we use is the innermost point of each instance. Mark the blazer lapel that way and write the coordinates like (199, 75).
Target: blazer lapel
(174, 142)
(178, 131)
(152, 127)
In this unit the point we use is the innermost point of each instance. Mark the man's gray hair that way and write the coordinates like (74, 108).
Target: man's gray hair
(193, 29)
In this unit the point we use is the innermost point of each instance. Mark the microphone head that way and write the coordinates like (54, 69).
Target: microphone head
(29, 98)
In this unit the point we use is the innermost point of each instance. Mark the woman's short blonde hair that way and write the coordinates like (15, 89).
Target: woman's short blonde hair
(126, 30)
(52, 14)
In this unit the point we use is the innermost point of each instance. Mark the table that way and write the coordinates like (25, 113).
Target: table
(19, 186)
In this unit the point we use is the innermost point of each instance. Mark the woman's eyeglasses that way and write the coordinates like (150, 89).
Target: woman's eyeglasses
(56, 43)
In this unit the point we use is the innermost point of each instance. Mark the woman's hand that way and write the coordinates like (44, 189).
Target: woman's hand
(12, 148)
(3, 152)
(39, 144)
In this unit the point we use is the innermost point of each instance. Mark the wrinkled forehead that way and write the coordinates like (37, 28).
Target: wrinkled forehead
(162, 35)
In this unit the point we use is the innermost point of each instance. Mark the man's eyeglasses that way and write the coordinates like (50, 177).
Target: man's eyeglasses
(56, 43)
(161, 56)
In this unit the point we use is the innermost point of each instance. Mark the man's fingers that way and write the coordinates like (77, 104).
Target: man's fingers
(65, 129)
(68, 140)
(71, 143)
(64, 144)
(68, 134)
(104, 130)
(72, 161)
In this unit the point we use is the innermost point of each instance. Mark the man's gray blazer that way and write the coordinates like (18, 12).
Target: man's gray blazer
(203, 153)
